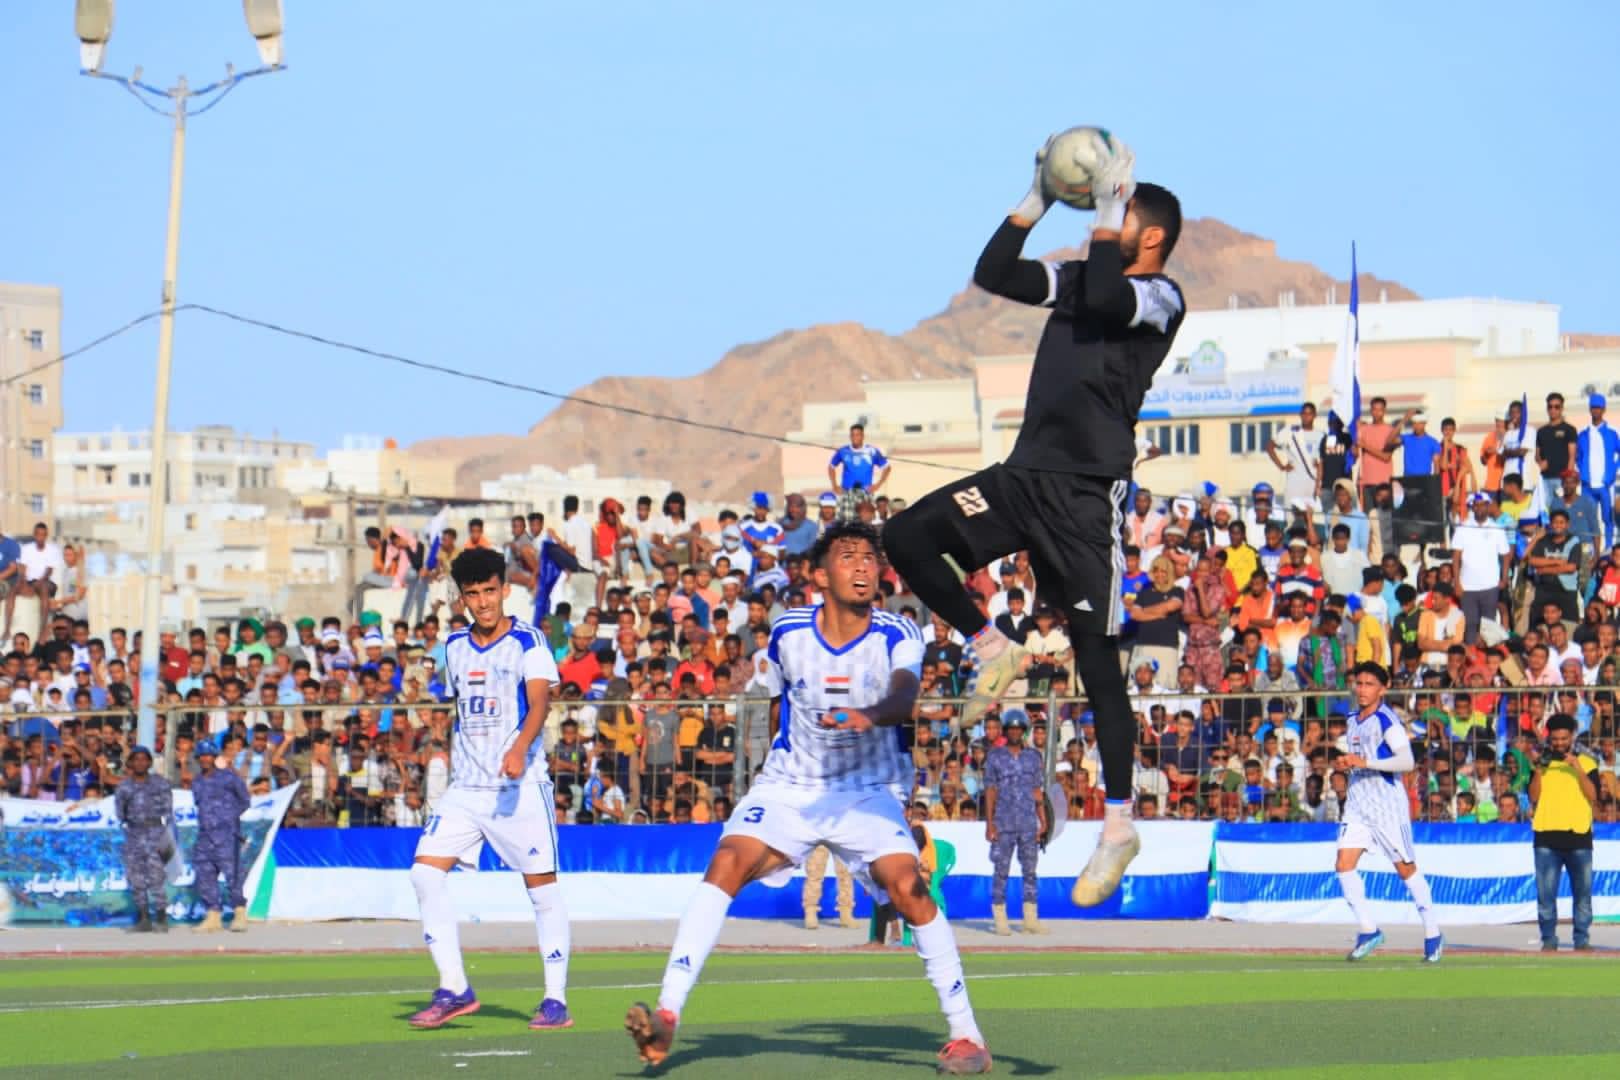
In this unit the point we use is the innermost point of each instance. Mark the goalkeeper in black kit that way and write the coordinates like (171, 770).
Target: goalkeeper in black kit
(1060, 494)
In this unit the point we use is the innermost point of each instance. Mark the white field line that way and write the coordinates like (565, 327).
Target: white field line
(226, 999)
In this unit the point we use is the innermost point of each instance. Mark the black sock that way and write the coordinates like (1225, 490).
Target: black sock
(1096, 661)
(917, 558)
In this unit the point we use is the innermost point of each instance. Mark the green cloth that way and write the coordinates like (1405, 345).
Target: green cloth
(258, 648)
(370, 618)
(306, 623)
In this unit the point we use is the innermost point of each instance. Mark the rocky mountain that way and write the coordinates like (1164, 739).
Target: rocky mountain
(1214, 262)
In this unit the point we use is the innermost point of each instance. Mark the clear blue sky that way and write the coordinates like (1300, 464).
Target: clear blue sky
(551, 193)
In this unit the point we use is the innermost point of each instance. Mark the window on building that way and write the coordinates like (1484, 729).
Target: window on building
(84, 444)
(191, 571)
(36, 503)
(191, 522)
(912, 429)
(134, 442)
(134, 479)
(1180, 439)
(36, 393)
(81, 473)
(106, 442)
(35, 339)
(107, 474)
(202, 444)
(1253, 436)
(36, 449)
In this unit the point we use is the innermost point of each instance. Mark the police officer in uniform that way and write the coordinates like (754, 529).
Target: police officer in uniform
(1015, 819)
(145, 806)
(221, 797)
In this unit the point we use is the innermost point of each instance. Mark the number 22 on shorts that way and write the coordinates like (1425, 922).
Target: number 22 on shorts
(970, 501)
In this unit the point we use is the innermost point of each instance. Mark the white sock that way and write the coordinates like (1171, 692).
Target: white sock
(1117, 820)
(989, 643)
(551, 924)
(439, 928)
(936, 945)
(695, 938)
(1355, 894)
(1418, 886)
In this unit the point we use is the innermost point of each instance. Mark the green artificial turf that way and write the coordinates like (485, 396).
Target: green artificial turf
(816, 1015)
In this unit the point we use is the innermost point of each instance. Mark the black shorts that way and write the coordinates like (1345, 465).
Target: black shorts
(1071, 525)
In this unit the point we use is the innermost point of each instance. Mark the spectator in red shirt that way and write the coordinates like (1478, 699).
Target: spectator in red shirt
(697, 664)
(581, 666)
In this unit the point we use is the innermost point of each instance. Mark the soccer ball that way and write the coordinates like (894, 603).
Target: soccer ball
(1070, 163)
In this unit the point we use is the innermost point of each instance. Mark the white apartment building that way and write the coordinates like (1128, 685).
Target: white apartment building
(542, 488)
(370, 465)
(30, 402)
(98, 470)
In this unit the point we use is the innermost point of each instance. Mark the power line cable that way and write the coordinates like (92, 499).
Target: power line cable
(507, 384)
(87, 346)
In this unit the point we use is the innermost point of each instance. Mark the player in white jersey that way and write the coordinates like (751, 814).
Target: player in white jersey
(501, 674)
(843, 675)
(1376, 811)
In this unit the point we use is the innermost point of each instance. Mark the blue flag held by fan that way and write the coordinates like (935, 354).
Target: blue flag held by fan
(555, 561)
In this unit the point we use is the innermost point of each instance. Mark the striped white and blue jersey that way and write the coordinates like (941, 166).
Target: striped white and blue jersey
(1377, 797)
(812, 679)
(490, 685)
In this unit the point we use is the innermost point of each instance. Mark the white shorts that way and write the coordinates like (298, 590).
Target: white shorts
(860, 827)
(519, 822)
(1393, 841)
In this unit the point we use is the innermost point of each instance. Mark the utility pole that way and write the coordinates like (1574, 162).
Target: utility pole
(93, 21)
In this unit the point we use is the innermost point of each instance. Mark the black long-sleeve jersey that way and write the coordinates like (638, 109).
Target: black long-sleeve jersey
(1105, 339)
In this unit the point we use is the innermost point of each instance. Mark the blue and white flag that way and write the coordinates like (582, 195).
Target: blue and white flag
(555, 561)
(433, 536)
(1347, 365)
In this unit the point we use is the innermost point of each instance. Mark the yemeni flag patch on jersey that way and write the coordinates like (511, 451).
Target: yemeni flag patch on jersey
(835, 684)
(476, 678)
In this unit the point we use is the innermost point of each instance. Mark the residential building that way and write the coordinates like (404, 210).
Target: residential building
(371, 465)
(1234, 378)
(97, 470)
(30, 402)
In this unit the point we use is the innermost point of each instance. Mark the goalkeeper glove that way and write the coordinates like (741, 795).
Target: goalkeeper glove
(1037, 202)
(1114, 182)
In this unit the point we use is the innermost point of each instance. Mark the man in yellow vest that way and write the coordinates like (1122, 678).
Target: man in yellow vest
(1564, 790)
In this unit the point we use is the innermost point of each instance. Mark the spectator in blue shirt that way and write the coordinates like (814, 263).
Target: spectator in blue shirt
(1421, 449)
(10, 575)
(860, 463)
(760, 529)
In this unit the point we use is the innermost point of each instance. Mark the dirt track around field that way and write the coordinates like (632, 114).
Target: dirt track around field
(758, 934)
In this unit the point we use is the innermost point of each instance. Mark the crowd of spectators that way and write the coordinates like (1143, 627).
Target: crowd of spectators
(1243, 614)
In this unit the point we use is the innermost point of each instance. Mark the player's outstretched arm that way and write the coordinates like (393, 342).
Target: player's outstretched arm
(1001, 268)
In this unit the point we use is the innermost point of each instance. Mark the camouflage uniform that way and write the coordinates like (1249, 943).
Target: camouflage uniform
(1016, 779)
(221, 797)
(815, 872)
(146, 810)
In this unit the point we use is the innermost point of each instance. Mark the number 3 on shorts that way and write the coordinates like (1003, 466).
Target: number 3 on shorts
(754, 815)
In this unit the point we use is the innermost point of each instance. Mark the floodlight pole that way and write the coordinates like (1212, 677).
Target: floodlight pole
(177, 106)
